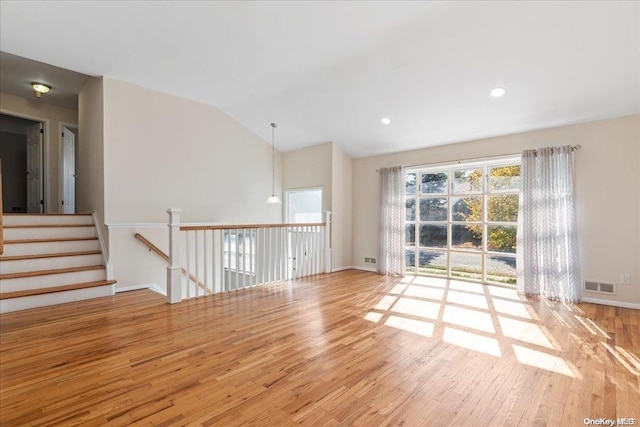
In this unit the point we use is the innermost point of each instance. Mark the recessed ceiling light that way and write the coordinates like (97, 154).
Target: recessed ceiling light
(498, 92)
(385, 120)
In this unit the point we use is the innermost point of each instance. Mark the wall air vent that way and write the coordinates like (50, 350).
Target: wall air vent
(591, 286)
(603, 288)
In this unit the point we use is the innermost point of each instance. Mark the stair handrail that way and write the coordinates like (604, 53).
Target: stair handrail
(165, 257)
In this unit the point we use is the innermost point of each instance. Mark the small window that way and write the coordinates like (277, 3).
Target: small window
(303, 205)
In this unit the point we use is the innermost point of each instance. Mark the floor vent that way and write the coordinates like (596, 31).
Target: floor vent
(604, 288)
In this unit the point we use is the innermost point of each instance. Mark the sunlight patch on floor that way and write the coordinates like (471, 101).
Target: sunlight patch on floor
(464, 298)
(468, 318)
(524, 331)
(398, 289)
(511, 308)
(385, 303)
(541, 360)
(496, 291)
(471, 341)
(417, 308)
(626, 359)
(475, 288)
(372, 316)
(418, 327)
(424, 292)
(592, 327)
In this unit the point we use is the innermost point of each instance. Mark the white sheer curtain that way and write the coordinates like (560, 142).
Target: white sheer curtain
(547, 248)
(391, 230)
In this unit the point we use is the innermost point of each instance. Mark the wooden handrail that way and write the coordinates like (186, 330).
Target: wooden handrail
(1, 226)
(164, 256)
(247, 226)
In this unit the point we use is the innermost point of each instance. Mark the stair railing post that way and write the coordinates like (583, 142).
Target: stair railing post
(327, 242)
(174, 269)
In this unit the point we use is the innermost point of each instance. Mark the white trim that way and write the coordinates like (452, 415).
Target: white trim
(137, 225)
(371, 269)
(150, 286)
(612, 303)
(349, 267)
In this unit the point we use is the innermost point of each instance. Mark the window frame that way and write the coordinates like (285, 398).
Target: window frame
(483, 251)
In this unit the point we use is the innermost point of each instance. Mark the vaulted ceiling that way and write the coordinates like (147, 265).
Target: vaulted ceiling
(329, 71)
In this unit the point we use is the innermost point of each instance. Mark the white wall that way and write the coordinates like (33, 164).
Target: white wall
(90, 167)
(161, 151)
(342, 198)
(52, 115)
(327, 166)
(309, 167)
(607, 193)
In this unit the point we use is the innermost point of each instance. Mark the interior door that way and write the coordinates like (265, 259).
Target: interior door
(35, 199)
(68, 171)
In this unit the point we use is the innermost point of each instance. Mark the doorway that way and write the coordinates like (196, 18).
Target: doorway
(22, 154)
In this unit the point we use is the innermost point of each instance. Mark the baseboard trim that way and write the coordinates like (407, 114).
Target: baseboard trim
(612, 303)
(335, 270)
(371, 269)
(150, 286)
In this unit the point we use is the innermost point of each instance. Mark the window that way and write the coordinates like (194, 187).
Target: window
(303, 205)
(239, 247)
(461, 220)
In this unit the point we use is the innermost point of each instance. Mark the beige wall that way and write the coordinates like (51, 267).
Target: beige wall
(607, 193)
(327, 166)
(90, 168)
(52, 115)
(162, 151)
(341, 196)
(309, 167)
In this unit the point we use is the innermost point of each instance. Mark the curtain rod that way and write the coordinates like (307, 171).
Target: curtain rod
(573, 148)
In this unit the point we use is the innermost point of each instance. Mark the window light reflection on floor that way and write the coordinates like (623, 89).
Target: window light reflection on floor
(419, 308)
(512, 308)
(468, 318)
(386, 302)
(464, 298)
(541, 360)
(471, 341)
(524, 331)
(424, 292)
(626, 359)
(418, 327)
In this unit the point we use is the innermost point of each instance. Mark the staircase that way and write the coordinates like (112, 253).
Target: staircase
(50, 259)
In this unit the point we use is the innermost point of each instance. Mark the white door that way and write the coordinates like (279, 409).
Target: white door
(68, 171)
(35, 199)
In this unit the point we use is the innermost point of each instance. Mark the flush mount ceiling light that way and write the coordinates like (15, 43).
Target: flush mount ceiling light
(385, 120)
(39, 88)
(273, 198)
(498, 92)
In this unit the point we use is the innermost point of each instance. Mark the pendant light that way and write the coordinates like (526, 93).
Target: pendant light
(273, 198)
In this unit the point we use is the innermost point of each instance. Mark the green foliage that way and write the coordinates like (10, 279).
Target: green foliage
(500, 208)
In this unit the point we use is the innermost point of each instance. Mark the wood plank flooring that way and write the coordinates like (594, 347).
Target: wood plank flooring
(349, 348)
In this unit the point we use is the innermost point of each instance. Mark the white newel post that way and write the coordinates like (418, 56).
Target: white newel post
(327, 242)
(174, 270)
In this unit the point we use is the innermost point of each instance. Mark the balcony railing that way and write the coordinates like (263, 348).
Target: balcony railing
(221, 258)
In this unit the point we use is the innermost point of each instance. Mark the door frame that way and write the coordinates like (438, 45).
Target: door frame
(61, 161)
(46, 155)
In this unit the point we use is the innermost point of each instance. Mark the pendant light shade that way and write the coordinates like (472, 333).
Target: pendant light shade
(273, 199)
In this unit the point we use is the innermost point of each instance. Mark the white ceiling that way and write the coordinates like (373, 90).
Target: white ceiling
(328, 71)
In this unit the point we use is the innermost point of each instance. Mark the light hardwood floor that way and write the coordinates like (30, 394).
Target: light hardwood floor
(349, 348)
